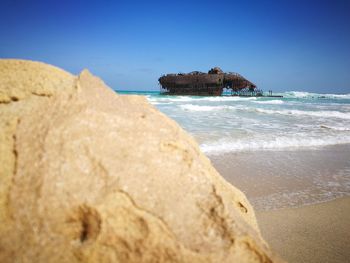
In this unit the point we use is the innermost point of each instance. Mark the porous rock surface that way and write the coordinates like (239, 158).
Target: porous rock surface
(87, 175)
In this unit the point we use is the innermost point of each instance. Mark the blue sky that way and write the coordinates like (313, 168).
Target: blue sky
(279, 45)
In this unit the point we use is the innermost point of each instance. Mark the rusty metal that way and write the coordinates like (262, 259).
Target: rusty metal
(204, 84)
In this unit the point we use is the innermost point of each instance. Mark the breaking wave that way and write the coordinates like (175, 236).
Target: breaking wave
(227, 98)
(322, 114)
(305, 95)
(170, 99)
(335, 128)
(192, 107)
(269, 102)
(263, 144)
(198, 99)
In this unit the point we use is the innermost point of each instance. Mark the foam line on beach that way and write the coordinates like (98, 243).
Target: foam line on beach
(262, 144)
(335, 128)
(321, 114)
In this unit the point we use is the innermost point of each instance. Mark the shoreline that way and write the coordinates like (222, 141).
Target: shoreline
(301, 199)
(315, 203)
(311, 233)
(276, 180)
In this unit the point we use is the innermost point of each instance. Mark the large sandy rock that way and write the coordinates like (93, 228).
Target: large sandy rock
(87, 175)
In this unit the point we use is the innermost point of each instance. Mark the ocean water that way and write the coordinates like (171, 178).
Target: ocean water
(289, 151)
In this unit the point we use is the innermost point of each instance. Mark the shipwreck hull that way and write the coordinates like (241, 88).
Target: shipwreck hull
(193, 91)
(203, 84)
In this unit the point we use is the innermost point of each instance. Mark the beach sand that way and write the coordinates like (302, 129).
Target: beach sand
(284, 179)
(314, 233)
(282, 185)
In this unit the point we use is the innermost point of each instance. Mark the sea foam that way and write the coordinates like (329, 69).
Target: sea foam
(322, 114)
(307, 95)
(276, 102)
(231, 124)
(192, 107)
(277, 143)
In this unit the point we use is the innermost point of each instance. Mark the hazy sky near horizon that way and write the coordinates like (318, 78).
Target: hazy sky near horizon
(279, 45)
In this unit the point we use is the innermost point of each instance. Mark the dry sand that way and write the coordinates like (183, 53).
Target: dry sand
(314, 233)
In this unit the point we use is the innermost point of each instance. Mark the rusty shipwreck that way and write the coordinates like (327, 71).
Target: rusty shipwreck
(213, 83)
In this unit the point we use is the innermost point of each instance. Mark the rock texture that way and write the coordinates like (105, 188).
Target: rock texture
(87, 175)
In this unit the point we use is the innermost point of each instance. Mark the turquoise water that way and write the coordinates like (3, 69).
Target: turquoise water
(235, 124)
(282, 152)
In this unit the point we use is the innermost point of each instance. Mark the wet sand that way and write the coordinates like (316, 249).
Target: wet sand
(316, 233)
(301, 199)
(283, 179)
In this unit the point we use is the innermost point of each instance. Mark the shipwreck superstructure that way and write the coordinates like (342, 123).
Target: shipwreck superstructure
(212, 83)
